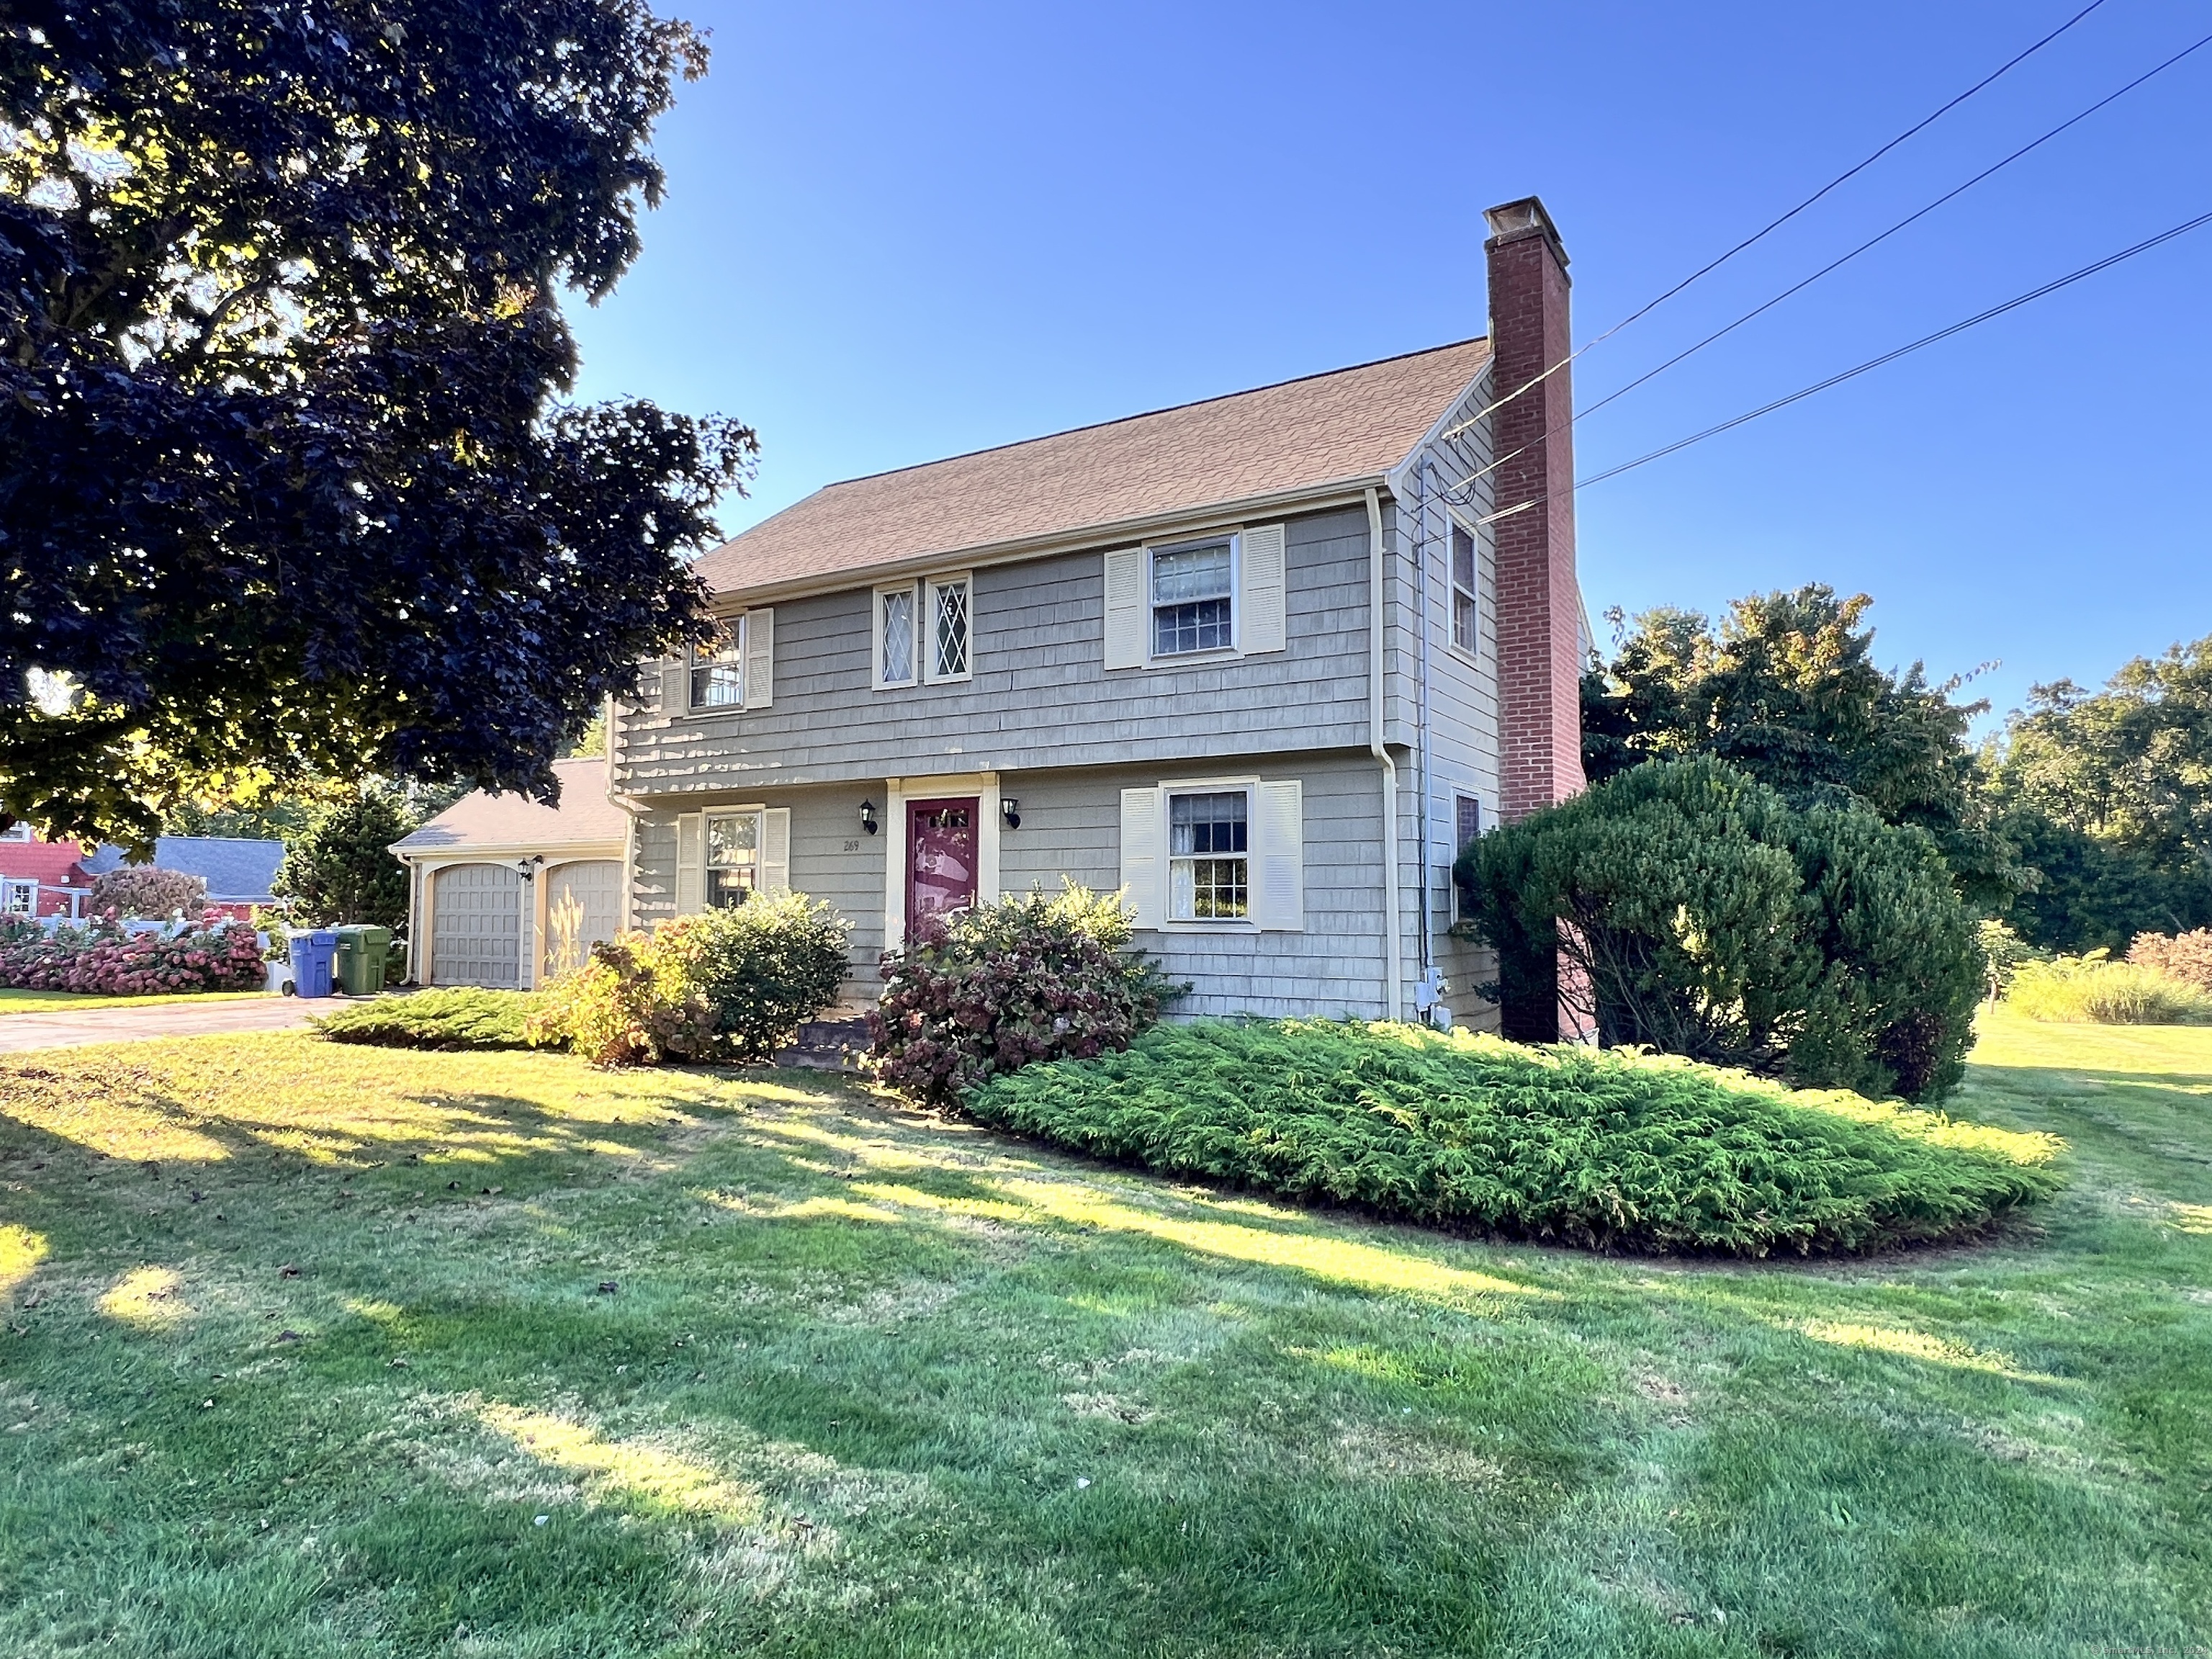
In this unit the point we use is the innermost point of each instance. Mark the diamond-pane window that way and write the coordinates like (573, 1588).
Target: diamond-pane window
(949, 630)
(898, 624)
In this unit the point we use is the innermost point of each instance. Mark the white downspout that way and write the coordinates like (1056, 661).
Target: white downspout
(1393, 927)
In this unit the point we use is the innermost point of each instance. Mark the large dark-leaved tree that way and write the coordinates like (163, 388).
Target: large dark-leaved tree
(1786, 690)
(288, 486)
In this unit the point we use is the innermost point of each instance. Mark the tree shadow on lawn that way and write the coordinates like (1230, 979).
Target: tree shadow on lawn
(869, 1379)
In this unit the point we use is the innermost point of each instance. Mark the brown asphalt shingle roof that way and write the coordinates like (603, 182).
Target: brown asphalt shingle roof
(1328, 428)
(585, 815)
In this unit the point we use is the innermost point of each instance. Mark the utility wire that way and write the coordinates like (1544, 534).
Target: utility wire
(1909, 219)
(1872, 363)
(1835, 264)
(1767, 229)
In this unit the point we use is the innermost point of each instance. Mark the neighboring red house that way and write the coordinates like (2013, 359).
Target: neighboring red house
(41, 878)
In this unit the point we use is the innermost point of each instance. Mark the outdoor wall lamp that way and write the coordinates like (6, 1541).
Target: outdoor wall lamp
(529, 867)
(1010, 810)
(868, 816)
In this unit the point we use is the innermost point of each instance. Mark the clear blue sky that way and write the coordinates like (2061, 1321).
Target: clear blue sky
(898, 233)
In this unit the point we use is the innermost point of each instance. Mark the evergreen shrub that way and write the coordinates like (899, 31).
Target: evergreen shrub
(989, 990)
(443, 1016)
(1707, 916)
(1602, 1148)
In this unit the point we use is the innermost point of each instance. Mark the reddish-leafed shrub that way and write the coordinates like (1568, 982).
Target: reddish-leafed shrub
(987, 990)
(2185, 957)
(144, 890)
(104, 961)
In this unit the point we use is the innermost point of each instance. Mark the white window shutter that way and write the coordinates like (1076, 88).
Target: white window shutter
(1279, 895)
(760, 658)
(690, 863)
(1124, 608)
(676, 687)
(1142, 845)
(1265, 625)
(776, 850)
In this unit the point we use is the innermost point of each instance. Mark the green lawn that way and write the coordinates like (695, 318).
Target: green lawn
(306, 1353)
(60, 1002)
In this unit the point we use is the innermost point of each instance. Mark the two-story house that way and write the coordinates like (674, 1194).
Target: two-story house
(1265, 662)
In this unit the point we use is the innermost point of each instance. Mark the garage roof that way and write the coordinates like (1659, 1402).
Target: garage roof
(584, 817)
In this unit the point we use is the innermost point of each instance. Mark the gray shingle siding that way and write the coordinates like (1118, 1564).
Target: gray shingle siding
(1041, 695)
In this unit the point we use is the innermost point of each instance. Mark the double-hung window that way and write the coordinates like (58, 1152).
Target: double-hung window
(924, 633)
(1194, 600)
(1466, 828)
(734, 858)
(19, 898)
(1209, 856)
(1466, 612)
(718, 671)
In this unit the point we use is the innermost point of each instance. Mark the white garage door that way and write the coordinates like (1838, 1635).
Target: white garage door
(583, 907)
(475, 922)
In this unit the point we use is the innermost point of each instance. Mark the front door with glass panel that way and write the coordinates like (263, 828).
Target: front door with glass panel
(940, 858)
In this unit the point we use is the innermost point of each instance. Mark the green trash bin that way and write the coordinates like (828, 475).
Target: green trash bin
(361, 953)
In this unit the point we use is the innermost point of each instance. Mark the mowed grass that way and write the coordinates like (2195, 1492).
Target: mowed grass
(57, 1002)
(306, 1353)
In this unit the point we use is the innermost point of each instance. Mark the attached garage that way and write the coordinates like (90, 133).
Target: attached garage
(583, 907)
(507, 892)
(475, 925)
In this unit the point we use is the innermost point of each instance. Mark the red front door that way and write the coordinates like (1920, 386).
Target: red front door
(940, 858)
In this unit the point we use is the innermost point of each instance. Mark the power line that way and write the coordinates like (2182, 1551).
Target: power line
(1901, 224)
(1835, 264)
(1872, 363)
(1766, 230)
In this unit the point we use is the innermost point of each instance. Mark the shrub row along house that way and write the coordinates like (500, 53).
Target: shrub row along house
(1266, 662)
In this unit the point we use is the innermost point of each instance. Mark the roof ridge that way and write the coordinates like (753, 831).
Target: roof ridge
(1146, 415)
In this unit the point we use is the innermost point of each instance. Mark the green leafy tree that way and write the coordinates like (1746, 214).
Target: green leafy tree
(288, 486)
(341, 869)
(1706, 915)
(2111, 792)
(1785, 689)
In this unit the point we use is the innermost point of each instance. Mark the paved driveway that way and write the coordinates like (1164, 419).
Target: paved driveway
(76, 1027)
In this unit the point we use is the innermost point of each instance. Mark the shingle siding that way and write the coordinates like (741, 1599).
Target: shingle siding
(1041, 695)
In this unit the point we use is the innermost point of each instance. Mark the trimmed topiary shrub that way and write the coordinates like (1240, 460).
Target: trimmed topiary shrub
(1611, 1149)
(1708, 917)
(444, 1016)
(987, 991)
(2185, 957)
(2094, 989)
(762, 969)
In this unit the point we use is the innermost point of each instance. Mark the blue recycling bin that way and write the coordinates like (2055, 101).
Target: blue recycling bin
(314, 954)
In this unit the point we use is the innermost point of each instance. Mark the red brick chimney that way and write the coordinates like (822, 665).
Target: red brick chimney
(1539, 600)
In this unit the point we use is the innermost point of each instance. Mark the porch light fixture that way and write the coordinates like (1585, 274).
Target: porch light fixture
(529, 867)
(1010, 810)
(868, 816)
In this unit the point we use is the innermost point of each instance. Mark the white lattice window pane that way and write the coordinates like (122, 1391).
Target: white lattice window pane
(951, 632)
(732, 859)
(898, 636)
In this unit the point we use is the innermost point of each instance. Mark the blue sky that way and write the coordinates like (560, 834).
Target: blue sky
(898, 232)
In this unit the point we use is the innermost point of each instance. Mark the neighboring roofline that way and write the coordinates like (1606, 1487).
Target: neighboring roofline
(1190, 520)
(1147, 414)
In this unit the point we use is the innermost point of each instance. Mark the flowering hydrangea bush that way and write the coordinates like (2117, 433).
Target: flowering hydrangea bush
(101, 958)
(987, 991)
